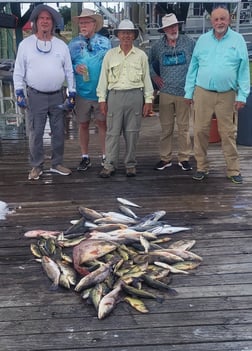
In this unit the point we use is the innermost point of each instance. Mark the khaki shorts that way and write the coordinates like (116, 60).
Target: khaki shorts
(86, 109)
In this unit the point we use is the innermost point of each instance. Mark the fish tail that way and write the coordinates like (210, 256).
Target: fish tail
(159, 299)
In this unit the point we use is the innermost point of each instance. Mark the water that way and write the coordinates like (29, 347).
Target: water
(12, 126)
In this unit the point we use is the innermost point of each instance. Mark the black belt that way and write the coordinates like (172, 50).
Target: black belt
(45, 92)
(213, 91)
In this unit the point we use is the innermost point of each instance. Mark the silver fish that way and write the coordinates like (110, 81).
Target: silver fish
(169, 230)
(128, 212)
(89, 214)
(121, 235)
(126, 202)
(115, 217)
(108, 227)
(152, 218)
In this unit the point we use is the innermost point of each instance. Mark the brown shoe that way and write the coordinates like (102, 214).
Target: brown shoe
(131, 172)
(106, 173)
(60, 170)
(35, 173)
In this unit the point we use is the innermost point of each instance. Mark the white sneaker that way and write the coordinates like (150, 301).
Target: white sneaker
(61, 170)
(103, 159)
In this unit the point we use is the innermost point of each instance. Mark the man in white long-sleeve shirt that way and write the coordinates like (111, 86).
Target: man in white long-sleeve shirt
(42, 65)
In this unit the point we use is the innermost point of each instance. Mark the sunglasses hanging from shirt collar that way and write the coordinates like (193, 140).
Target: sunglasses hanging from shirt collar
(89, 47)
(44, 46)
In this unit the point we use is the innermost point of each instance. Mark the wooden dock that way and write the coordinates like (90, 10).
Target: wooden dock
(213, 308)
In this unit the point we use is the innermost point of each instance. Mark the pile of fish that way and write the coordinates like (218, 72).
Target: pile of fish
(109, 257)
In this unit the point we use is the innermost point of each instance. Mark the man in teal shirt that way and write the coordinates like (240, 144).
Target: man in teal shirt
(218, 82)
(87, 51)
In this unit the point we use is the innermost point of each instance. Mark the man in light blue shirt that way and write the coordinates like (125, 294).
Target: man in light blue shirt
(218, 82)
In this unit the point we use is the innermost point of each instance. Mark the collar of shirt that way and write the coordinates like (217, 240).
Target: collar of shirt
(132, 50)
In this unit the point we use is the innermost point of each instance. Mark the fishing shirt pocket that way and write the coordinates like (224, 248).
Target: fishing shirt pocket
(135, 72)
(114, 72)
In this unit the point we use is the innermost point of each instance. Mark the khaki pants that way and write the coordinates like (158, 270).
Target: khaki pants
(125, 108)
(173, 107)
(222, 104)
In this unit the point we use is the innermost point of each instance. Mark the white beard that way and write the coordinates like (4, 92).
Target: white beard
(172, 36)
(220, 30)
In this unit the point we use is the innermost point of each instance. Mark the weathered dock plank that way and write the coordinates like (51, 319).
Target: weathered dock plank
(213, 310)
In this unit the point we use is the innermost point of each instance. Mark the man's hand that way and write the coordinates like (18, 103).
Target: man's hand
(188, 101)
(103, 108)
(21, 101)
(238, 105)
(158, 81)
(71, 100)
(147, 109)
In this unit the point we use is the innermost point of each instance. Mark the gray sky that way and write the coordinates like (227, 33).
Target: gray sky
(25, 6)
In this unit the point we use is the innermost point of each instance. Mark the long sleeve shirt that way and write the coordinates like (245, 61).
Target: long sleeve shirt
(89, 53)
(43, 71)
(172, 63)
(123, 72)
(219, 65)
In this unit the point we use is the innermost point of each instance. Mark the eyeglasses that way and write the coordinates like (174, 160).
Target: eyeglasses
(44, 46)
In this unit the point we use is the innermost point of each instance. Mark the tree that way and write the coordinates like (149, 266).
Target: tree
(65, 12)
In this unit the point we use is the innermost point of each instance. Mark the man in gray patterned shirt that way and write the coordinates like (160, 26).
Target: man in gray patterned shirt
(169, 60)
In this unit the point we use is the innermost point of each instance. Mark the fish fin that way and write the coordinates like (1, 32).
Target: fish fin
(172, 292)
(54, 287)
(159, 299)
